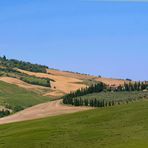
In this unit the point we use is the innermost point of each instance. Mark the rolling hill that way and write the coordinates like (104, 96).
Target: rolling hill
(30, 87)
(112, 127)
(24, 84)
(16, 98)
(61, 82)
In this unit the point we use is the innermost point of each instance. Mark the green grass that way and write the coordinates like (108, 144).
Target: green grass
(14, 96)
(124, 126)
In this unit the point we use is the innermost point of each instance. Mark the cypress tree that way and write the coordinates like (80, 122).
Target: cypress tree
(95, 102)
(138, 86)
(135, 86)
(98, 103)
(86, 102)
(109, 103)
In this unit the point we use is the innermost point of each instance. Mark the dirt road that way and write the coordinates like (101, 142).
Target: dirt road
(40, 111)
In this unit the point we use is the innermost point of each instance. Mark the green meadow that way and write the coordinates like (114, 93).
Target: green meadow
(123, 126)
(12, 97)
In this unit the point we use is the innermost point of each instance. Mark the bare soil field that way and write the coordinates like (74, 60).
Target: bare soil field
(62, 84)
(69, 74)
(52, 108)
(110, 81)
(68, 81)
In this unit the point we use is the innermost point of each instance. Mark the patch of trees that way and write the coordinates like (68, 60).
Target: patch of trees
(36, 81)
(127, 79)
(17, 108)
(131, 86)
(96, 103)
(73, 99)
(107, 99)
(86, 102)
(135, 86)
(12, 63)
(84, 91)
(10, 72)
(4, 113)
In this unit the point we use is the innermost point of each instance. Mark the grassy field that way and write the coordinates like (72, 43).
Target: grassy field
(11, 95)
(124, 126)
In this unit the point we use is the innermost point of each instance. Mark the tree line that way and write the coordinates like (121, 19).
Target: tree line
(73, 99)
(84, 91)
(95, 102)
(132, 86)
(37, 81)
(12, 63)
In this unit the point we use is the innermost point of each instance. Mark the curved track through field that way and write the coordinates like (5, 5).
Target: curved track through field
(52, 108)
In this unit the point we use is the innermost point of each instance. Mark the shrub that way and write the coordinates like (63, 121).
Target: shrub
(37, 81)
(4, 113)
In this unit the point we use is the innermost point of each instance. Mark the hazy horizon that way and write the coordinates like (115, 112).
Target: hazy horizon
(93, 37)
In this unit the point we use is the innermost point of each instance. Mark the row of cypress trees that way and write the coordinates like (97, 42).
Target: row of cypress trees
(131, 86)
(97, 103)
(84, 91)
(136, 86)
(73, 99)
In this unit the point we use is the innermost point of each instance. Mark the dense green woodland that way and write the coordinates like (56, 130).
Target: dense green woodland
(12, 63)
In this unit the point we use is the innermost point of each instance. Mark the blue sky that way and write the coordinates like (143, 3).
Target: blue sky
(88, 36)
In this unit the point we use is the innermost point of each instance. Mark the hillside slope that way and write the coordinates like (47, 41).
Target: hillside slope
(48, 82)
(61, 84)
(12, 96)
(43, 110)
(64, 82)
(20, 83)
(86, 78)
(112, 127)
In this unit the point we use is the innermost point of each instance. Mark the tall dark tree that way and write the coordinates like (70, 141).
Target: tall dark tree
(4, 58)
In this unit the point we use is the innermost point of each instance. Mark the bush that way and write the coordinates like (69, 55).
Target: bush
(37, 81)
(4, 113)
(18, 108)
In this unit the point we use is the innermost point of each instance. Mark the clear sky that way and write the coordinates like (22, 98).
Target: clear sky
(89, 36)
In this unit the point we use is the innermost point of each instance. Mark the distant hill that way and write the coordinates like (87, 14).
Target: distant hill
(11, 63)
(48, 82)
